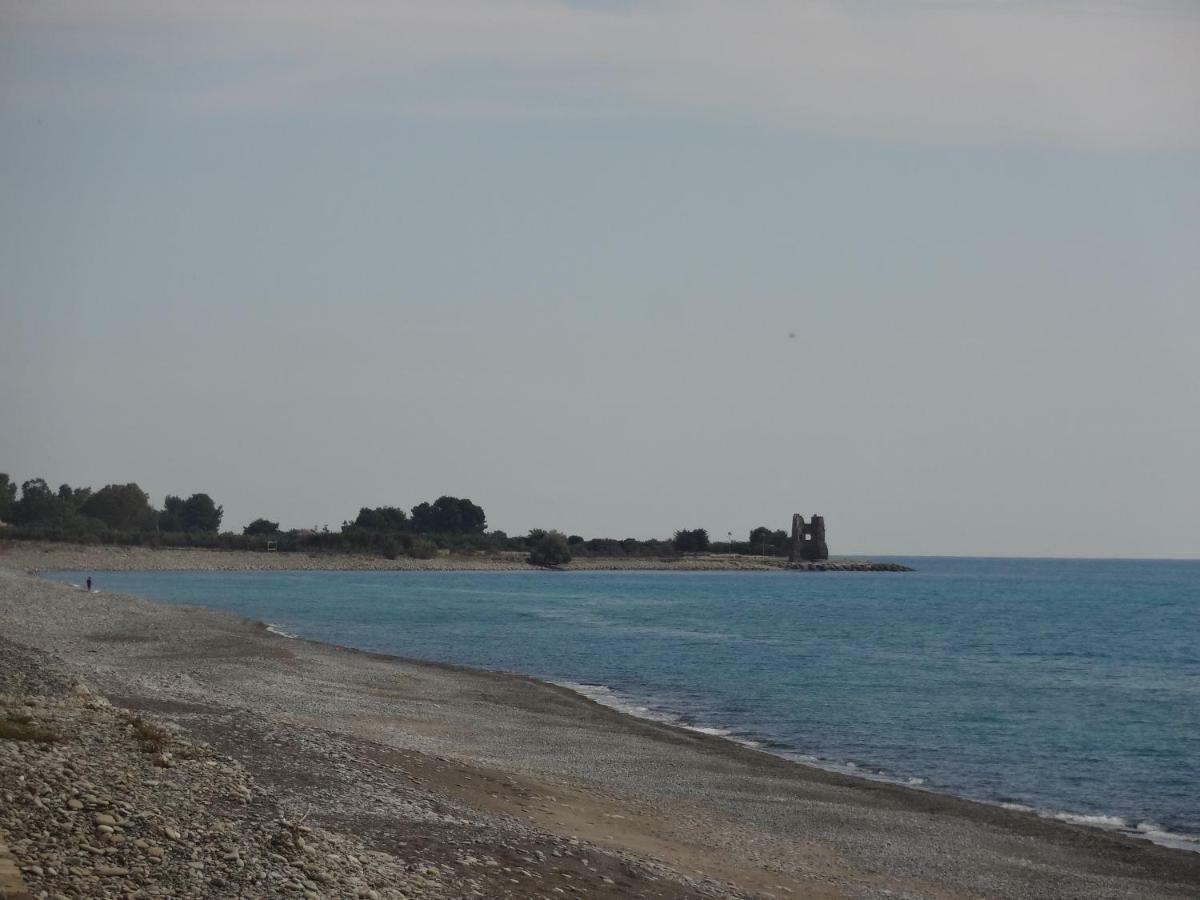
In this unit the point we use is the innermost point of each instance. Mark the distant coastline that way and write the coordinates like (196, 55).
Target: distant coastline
(37, 556)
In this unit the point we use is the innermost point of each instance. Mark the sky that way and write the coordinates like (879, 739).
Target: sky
(930, 268)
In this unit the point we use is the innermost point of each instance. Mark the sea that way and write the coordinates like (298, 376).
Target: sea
(1066, 687)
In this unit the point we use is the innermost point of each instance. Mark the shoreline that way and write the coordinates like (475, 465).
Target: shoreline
(629, 706)
(45, 556)
(679, 763)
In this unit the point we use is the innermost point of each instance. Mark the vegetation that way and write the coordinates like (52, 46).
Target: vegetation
(152, 738)
(122, 514)
(197, 513)
(8, 496)
(550, 550)
(693, 541)
(122, 507)
(22, 727)
(767, 542)
(445, 515)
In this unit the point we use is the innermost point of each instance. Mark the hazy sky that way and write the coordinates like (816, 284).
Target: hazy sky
(549, 255)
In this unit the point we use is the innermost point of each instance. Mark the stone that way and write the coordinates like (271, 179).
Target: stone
(808, 541)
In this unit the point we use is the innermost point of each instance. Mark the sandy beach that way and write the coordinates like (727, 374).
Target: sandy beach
(292, 758)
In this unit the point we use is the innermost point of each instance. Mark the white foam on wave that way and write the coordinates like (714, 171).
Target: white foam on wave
(275, 629)
(1152, 831)
(1111, 822)
(606, 696)
(1147, 830)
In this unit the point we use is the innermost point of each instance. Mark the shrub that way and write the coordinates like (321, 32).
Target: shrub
(423, 548)
(550, 550)
(23, 728)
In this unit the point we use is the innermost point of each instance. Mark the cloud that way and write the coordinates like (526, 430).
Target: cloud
(1076, 72)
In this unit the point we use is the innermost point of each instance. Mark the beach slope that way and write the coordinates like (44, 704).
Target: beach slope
(474, 783)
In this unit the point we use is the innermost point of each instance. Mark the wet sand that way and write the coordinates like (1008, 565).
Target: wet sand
(666, 812)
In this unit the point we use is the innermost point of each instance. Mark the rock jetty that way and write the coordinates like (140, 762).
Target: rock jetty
(846, 565)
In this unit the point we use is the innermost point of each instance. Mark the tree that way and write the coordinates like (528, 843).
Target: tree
(550, 550)
(8, 496)
(38, 505)
(448, 515)
(74, 498)
(196, 513)
(122, 507)
(201, 514)
(264, 526)
(171, 517)
(381, 518)
(763, 539)
(693, 541)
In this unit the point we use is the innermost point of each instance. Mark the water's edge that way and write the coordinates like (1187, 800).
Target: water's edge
(637, 708)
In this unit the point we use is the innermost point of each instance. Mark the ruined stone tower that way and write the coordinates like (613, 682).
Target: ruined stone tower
(808, 541)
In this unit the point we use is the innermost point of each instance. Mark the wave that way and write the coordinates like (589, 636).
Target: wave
(276, 629)
(606, 696)
(1111, 823)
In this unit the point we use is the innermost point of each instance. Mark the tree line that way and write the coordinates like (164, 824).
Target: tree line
(114, 507)
(124, 514)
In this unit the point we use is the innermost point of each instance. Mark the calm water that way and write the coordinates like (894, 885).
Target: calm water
(1072, 687)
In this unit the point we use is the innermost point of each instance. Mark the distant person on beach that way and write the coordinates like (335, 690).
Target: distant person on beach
(89, 584)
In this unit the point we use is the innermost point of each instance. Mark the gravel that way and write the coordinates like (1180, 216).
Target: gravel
(235, 762)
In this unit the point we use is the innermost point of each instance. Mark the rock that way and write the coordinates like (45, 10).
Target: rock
(104, 819)
(112, 871)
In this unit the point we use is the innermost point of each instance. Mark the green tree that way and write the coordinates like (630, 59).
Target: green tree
(8, 497)
(263, 526)
(196, 513)
(38, 505)
(201, 514)
(122, 507)
(171, 517)
(763, 539)
(448, 515)
(693, 541)
(550, 550)
(381, 518)
(74, 498)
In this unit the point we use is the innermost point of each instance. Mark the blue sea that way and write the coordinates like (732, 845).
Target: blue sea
(1070, 687)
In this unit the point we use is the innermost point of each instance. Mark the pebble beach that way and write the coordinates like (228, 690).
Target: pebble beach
(168, 751)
